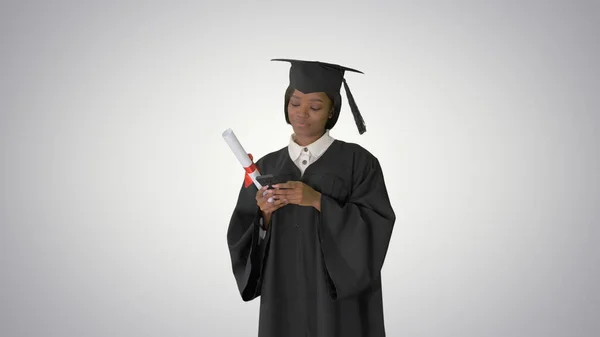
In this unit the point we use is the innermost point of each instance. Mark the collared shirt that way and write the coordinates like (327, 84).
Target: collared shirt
(303, 156)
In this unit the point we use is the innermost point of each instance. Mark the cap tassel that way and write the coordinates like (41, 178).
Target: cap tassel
(360, 123)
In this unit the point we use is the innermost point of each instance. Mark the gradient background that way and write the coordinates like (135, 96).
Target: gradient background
(116, 187)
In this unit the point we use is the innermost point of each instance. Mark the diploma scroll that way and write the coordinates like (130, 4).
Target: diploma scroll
(243, 157)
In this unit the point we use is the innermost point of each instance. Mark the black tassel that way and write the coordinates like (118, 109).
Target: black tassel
(360, 123)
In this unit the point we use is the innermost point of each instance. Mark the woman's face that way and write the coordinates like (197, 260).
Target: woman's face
(308, 113)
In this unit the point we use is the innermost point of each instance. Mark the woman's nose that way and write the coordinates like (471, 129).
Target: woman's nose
(302, 111)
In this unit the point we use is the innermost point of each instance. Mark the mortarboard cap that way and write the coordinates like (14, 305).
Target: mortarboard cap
(314, 76)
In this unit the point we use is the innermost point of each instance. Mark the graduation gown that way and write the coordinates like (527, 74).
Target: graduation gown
(317, 273)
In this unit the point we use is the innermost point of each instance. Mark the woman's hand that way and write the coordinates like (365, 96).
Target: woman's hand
(298, 193)
(267, 204)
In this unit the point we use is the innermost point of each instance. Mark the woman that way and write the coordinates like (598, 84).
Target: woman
(313, 246)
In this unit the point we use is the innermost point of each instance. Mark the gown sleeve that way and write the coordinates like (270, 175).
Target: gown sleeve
(247, 248)
(355, 235)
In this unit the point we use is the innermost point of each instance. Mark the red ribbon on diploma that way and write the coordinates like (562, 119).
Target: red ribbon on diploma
(247, 179)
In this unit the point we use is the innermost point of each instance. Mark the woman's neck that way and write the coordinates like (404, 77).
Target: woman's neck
(307, 140)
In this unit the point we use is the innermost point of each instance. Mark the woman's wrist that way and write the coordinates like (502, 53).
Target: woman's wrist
(317, 202)
(266, 220)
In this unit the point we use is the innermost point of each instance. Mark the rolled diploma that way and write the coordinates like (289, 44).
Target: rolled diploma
(241, 155)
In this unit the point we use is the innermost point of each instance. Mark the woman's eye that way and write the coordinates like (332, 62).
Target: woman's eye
(314, 108)
(295, 104)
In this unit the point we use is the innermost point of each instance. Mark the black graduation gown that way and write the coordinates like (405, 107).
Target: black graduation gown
(317, 273)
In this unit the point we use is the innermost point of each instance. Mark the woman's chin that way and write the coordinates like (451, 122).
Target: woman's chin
(301, 129)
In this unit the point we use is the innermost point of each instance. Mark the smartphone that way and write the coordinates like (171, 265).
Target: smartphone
(266, 180)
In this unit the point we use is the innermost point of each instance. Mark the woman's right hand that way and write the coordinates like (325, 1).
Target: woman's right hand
(268, 204)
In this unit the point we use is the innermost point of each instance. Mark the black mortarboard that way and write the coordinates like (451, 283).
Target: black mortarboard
(315, 76)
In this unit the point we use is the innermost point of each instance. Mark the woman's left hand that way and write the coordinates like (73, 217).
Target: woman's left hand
(297, 192)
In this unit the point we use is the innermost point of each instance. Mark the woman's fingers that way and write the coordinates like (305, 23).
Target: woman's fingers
(275, 203)
(261, 193)
(269, 200)
(286, 185)
(291, 195)
(279, 192)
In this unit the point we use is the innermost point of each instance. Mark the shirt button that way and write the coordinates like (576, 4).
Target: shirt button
(305, 149)
(304, 162)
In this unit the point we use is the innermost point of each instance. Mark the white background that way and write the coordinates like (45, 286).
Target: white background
(116, 187)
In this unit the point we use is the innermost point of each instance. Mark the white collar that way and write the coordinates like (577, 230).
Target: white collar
(316, 148)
